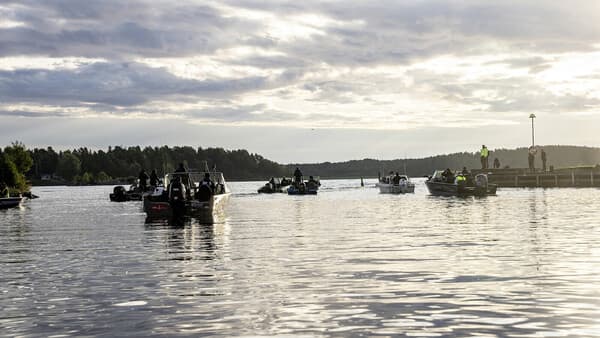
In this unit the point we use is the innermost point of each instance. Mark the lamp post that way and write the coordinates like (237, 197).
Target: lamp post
(532, 116)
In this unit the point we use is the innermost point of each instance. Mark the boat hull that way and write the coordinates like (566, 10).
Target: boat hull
(269, 190)
(193, 208)
(10, 202)
(450, 189)
(292, 190)
(385, 188)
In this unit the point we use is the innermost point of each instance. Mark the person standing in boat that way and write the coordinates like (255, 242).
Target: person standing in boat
(208, 182)
(484, 153)
(297, 175)
(180, 168)
(143, 177)
(396, 179)
(153, 178)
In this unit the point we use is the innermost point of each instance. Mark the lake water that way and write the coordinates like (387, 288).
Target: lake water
(347, 262)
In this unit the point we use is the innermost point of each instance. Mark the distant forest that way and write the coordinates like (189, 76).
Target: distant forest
(121, 164)
(557, 156)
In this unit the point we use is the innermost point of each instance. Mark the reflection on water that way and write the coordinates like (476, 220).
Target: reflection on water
(347, 262)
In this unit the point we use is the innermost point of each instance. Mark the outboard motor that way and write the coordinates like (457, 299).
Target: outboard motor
(177, 196)
(481, 181)
(118, 194)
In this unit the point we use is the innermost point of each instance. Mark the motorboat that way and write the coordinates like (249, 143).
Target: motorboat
(301, 187)
(275, 185)
(10, 202)
(395, 184)
(119, 194)
(187, 194)
(443, 184)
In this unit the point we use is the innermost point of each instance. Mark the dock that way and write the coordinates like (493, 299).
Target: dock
(580, 177)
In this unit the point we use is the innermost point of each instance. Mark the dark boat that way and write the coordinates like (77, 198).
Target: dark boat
(119, 194)
(10, 202)
(439, 185)
(185, 195)
(275, 185)
(310, 187)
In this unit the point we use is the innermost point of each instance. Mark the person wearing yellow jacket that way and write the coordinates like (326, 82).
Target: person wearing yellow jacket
(484, 157)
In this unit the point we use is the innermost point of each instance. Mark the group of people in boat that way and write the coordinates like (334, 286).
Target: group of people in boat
(143, 179)
(311, 183)
(462, 177)
(180, 186)
(395, 179)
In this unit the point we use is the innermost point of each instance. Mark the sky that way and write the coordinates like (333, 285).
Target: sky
(300, 81)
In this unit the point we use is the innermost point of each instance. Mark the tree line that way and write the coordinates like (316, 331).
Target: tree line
(118, 164)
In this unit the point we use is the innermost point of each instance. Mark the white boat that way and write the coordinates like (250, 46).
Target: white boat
(185, 194)
(395, 185)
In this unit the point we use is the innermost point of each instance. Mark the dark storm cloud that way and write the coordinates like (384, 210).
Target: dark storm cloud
(120, 84)
(117, 29)
(383, 31)
(25, 113)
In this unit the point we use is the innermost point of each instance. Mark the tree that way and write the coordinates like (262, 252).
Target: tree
(102, 177)
(69, 166)
(9, 174)
(19, 155)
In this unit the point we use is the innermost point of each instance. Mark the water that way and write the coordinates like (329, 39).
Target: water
(348, 262)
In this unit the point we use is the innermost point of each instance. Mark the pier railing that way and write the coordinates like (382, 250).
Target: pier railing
(563, 177)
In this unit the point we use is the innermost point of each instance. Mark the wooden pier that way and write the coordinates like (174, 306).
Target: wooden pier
(558, 178)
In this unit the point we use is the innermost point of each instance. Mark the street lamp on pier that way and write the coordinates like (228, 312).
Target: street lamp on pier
(532, 116)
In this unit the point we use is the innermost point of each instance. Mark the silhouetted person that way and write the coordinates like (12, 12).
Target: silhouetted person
(448, 176)
(543, 160)
(153, 178)
(297, 175)
(484, 153)
(396, 179)
(143, 180)
(207, 181)
(4, 193)
(180, 168)
(531, 159)
(496, 163)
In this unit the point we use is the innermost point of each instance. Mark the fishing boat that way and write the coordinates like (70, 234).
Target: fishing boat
(395, 184)
(187, 194)
(119, 194)
(10, 202)
(275, 185)
(301, 187)
(442, 184)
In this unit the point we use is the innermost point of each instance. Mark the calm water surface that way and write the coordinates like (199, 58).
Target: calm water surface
(348, 262)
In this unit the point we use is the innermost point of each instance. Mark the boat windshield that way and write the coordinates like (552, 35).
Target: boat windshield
(437, 175)
(189, 178)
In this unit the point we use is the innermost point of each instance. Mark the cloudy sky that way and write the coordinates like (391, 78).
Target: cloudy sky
(300, 81)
